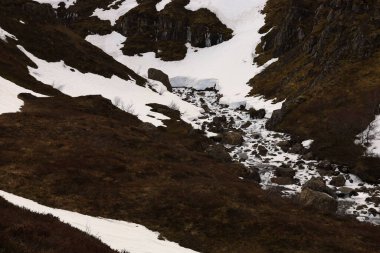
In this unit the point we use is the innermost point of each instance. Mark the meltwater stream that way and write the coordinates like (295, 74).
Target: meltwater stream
(261, 149)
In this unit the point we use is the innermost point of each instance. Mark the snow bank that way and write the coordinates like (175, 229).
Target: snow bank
(4, 35)
(55, 3)
(124, 94)
(8, 96)
(119, 235)
(114, 14)
(230, 63)
(161, 5)
(370, 138)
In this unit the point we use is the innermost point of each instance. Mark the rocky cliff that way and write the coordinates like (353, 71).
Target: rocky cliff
(327, 71)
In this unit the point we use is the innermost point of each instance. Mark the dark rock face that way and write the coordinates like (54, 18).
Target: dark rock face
(160, 76)
(166, 32)
(315, 40)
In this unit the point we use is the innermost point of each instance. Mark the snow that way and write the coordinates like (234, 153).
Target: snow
(370, 138)
(4, 35)
(307, 144)
(55, 3)
(124, 94)
(119, 235)
(161, 5)
(243, 16)
(9, 91)
(114, 14)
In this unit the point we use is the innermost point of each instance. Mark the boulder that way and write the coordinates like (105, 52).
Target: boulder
(285, 172)
(318, 200)
(325, 165)
(158, 75)
(338, 181)
(284, 180)
(346, 192)
(257, 114)
(252, 173)
(233, 138)
(262, 150)
(297, 149)
(317, 184)
(219, 153)
(284, 145)
(243, 156)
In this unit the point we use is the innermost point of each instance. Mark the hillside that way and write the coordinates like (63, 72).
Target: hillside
(189, 126)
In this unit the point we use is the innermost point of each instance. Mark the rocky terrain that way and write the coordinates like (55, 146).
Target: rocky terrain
(140, 112)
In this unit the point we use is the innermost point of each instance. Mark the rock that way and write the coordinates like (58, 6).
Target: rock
(345, 192)
(285, 172)
(219, 153)
(325, 164)
(308, 156)
(297, 149)
(338, 181)
(217, 138)
(243, 156)
(318, 200)
(317, 184)
(246, 125)
(158, 75)
(233, 138)
(284, 180)
(257, 114)
(284, 145)
(252, 174)
(262, 150)
(374, 199)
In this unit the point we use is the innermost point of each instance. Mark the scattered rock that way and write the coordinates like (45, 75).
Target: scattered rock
(246, 125)
(325, 165)
(252, 174)
(345, 192)
(338, 181)
(219, 153)
(285, 172)
(297, 149)
(257, 114)
(284, 180)
(233, 138)
(318, 200)
(284, 145)
(262, 150)
(243, 156)
(317, 184)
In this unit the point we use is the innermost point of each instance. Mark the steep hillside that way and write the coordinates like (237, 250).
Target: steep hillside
(327, 72)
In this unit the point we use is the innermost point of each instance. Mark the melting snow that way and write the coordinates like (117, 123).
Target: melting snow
(124, 94)
(8, 96)
(114, 14)
(55, 3)
(161, 5)
(119, 235)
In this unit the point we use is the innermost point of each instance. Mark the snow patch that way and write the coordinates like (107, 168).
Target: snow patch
(9, 102)
(114, 14)
(55, 3)
(127, 95)
(307, 144)
(119, 235)
(161, 5)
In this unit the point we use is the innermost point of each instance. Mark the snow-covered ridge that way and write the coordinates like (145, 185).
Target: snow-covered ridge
(9, 102)
(55, 3)
(114, 14)
(127, 95)
(119, 235)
